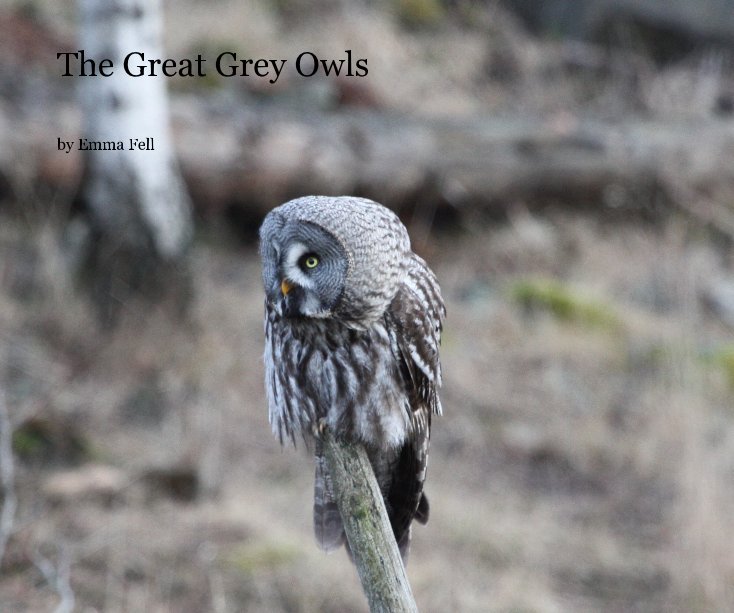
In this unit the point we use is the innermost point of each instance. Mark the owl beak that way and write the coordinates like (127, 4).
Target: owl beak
(285, 287)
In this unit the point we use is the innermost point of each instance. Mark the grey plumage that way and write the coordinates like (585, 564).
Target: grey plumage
(353, 320)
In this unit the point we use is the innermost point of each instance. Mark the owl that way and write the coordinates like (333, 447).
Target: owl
(353, 321)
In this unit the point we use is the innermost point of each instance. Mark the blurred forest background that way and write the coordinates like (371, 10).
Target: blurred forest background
(567, 169)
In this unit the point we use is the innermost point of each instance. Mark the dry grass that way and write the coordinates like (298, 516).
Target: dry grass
(576, 468)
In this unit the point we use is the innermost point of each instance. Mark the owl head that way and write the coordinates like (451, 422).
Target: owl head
(332, 257)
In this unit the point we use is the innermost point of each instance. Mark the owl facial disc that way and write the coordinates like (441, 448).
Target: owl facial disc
(305, 270)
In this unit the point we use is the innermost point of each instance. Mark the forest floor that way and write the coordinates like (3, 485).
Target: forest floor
(584, 461)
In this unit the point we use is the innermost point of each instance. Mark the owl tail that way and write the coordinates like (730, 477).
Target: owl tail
(327, 523)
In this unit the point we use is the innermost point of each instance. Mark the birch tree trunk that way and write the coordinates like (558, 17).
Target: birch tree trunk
(139, 211)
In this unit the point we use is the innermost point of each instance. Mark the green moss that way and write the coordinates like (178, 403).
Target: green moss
(361, 512)
(28, 443)
(723, 359)
(420, 13)
(563, 303)
(47, 440)
(253, 557)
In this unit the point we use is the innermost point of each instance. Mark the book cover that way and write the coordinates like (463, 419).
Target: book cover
(563, 174)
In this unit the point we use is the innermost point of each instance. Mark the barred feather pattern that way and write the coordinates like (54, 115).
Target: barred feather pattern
(368, 373)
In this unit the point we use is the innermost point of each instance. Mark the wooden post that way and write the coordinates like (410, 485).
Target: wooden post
(367, 527)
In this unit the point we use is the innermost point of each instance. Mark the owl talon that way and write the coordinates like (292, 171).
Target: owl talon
(319, 427)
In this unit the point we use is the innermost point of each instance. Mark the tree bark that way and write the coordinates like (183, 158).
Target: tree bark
(368, 529)
(139, 211)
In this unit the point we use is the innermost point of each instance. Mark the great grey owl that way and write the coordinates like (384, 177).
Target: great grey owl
(353, 321)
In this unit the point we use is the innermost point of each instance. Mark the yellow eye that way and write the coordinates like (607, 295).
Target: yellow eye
(311, 261)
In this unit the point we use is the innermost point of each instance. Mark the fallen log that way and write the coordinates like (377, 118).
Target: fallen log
(255, 157)
(486, 163)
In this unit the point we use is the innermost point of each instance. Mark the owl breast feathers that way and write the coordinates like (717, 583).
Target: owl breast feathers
(353, 321)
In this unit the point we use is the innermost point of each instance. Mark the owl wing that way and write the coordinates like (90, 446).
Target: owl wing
(417, 313)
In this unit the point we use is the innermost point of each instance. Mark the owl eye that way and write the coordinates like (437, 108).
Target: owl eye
(310, 261)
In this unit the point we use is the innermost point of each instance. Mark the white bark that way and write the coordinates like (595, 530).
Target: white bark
(131, 191)
(7, 477)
